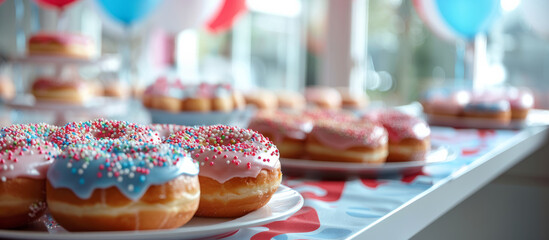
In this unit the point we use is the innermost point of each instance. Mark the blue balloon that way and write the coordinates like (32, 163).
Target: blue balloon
(469, 17)
(128, 12)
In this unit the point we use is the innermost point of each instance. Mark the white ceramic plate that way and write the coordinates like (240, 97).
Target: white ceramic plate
(238, 118)
(312, 168)
(284, 203)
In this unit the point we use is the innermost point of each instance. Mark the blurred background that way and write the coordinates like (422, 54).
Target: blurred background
(387, 48)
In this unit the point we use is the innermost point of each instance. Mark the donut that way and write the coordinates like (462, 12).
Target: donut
(117, 185)
(498, 111)
(85, 132)
(60, 44)
(323, 97)
(95, 88)
(175, 97)
(239, 168)
(7, 89)
(320, 114)
(262, 99)
(165, 95)
(521, 101)
(409, 136)
(238, 99)
(359, 142)
(209, 97)
(290, 100)
(352, 100)
(445, 103)
(59, 90)
(116, 89)
(24, 160)
(288, 131)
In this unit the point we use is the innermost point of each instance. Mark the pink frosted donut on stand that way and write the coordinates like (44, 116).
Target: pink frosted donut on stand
(409, 136)
(60, 44)
(361, 142)
(239, 168)
(24, 160)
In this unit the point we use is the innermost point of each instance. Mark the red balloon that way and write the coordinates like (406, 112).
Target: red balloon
(225, 17)
(59, 4)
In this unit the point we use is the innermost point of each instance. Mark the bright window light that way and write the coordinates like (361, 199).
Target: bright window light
(509, 5)
(285, 8)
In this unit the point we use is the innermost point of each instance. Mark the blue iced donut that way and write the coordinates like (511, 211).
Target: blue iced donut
(113, 185)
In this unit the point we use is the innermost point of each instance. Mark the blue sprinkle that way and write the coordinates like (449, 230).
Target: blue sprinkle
(81, 181)
(142, 178)
(73, 170)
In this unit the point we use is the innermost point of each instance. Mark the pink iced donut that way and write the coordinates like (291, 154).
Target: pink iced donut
(287, 130)
(239, 168)
(24, 161)
(445, 103)
(409, 136)
(332, 140)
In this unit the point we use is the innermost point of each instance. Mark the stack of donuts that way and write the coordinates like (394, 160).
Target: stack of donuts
(71, 90)
(60, 44)
(499, 106)
(107, 175)
(333, 135)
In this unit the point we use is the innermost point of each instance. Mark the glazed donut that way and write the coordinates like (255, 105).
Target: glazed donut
(239, 168)
(323, 97)
(84, 132)
(58, 90)
(362, 142)
(287, 131)
(25, 158)
(114, 185)
(61, 44)
(409, 136)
